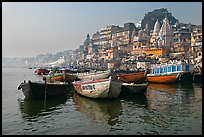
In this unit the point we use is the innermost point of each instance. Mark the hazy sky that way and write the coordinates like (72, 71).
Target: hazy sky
(33, 28)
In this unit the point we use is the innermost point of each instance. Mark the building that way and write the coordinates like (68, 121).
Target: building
(123, 35)
(155, 35)
(104, 37)
(182, 40)
(165, 34)
(143, 64)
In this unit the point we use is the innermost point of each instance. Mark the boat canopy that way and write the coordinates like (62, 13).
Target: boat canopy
(174, 68)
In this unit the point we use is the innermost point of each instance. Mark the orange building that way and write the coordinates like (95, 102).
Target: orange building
(156, 51)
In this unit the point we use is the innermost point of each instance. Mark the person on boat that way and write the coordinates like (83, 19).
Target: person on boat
(51, 72)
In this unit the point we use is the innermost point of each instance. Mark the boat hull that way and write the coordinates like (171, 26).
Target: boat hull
(104, 88)
(39, 89)
(68, 77)
(162, 78)
(185, 77)
(94, 75)
(136, 77)
(135, 88)
(41, 72)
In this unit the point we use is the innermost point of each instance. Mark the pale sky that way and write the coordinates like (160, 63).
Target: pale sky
(33, 28)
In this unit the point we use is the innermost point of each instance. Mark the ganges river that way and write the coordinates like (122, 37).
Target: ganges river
(165, 109)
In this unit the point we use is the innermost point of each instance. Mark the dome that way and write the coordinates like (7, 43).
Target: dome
(156, 27)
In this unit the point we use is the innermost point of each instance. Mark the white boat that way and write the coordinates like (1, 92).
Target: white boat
(102, 88)
(93, 75)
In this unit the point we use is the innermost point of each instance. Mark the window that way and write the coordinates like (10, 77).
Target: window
(178, 68)
(173, 68)
(169, 69)
(161, 70)
(187, 67)
(158, 70)
(155, 71)
(165, 69)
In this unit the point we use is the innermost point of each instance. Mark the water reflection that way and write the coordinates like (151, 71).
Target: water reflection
(168, 88)
(101, 111)
(163, 96)
(136, 99)
(197, 88)
(33, 108)
(170, 105)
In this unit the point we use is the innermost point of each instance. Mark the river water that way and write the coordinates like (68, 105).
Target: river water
(165, 109)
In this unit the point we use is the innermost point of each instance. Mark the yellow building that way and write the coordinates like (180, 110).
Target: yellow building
(156, 51)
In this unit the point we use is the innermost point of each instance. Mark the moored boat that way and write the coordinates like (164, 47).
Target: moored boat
(135, 88)
(62, 76)
(102, 88)
(165, 78)
(41, 71)
(40, 89)
(134, 77)
(171, 73)
(94, 75)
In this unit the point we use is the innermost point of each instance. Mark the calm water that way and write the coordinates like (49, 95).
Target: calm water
(164, 110)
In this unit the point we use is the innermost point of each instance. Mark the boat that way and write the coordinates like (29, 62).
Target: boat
(41, 71)
(41, 89)
(135, 88)
(171, 73)
(102, 88)
(61, 75)
(94, 75)
(134, 77)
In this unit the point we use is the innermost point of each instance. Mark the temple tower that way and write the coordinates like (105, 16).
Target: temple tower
(165, 34)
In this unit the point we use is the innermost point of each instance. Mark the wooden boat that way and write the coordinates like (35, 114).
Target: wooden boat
(135, 88)
(134, 77)
(94, 75)
(62, 76)
(39, 89)
(41, 71)
(171, 73)
(168, 78)
(103, 88)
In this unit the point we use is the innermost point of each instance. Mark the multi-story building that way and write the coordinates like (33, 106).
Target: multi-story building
(123, 35)
(104, 37)
(140, 41)
(196, 37)
(196, 42)
(182, 40)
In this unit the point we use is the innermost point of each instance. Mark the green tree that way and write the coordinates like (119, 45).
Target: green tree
(151, 18)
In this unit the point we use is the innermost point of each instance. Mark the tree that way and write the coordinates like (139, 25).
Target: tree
(160, 14)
